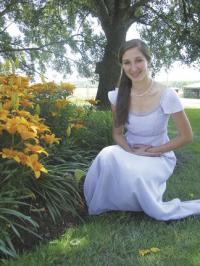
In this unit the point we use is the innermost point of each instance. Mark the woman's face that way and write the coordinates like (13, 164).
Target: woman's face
(135, 64)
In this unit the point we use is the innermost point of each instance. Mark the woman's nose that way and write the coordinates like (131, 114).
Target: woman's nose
(133, 67)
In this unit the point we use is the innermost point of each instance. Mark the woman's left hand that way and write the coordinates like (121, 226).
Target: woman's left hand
(144, 150)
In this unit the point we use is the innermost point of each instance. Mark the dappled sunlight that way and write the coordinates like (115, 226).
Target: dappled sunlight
(117, 238)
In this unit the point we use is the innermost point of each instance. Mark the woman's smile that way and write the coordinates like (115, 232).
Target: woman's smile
(134, 64)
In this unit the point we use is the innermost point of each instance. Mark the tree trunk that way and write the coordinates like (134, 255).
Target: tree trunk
(109, 68)
(116, 17)
(109, 71)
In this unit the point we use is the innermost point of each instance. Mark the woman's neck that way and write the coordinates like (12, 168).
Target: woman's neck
(140, 87)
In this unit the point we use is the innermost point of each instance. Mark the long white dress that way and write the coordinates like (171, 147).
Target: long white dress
(119, 180)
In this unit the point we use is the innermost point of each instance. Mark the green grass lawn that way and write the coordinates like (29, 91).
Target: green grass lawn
(115, 238)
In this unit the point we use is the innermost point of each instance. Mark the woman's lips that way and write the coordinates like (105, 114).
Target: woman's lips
(135, 75)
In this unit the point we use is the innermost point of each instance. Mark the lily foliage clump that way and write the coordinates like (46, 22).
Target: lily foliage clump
(24, 134)
(30, 188)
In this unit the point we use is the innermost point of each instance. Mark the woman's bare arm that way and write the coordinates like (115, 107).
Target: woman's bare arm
(184, 134)
(117, 133)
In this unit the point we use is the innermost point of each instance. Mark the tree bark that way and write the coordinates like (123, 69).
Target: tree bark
(115, 17)
(109, 68)
(109, 72)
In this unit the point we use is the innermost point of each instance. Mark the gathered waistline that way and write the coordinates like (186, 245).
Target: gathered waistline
(141, 136)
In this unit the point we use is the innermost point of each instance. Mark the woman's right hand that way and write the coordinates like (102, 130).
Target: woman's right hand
(142, 150)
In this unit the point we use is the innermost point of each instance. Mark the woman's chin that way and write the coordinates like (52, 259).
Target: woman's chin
(139, 78)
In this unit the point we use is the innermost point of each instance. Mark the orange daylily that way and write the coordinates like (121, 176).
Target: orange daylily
(15, 95)
(79, 110)
(22, 126)
(35, 149)
(93, 102)
(8, 153)
(26, 103)
(35, 165)
(23, 113)
(44, 87)
(12, 123)
(41, 128)
(78, 125)
(18, 156)
(50, 139)
(68, 86)
(7, 105)
(11, 126)
(4, 115)
(60, 103)
(27, 134)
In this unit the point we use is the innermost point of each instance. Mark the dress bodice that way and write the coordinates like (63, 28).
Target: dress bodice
(147, 128)
(151, 127)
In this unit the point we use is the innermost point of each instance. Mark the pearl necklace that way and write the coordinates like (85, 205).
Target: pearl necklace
(144, 93)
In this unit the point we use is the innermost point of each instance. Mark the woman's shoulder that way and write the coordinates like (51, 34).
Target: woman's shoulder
(163, 90)
(169, 99)
(112, 96)
(160, 87)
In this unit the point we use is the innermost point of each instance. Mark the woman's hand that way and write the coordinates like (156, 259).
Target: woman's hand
(144, 150)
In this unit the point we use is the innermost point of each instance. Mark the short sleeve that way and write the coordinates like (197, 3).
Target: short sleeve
(170, 102)
(112, 96)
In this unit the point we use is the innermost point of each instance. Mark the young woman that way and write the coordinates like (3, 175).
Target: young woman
(132, 175)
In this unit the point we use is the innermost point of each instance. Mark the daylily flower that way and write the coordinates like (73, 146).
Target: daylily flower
(93, 102)
(50, 139)
(41, 128)
(78, 125)
(7, 105)
(18, 156)
(35, 165)
(68, 86)
(21, 126)
(35, 149)
(4, 115)
(11, 126)
(60, 103)
(26, 103)
(27, 134)
(79, 110)
(23, 113)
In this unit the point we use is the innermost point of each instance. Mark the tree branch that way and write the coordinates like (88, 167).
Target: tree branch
(35, 48)
(8, 7)
(35, 71)
(67, 58)
(29, 48)
(162, 17)
(104, 15)
(6, 28)
(82, 20)
(135, 6)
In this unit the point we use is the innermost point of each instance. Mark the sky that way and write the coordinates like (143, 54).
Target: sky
(178, 71)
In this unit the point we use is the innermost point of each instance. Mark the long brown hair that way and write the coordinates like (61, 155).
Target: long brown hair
(123, 98)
